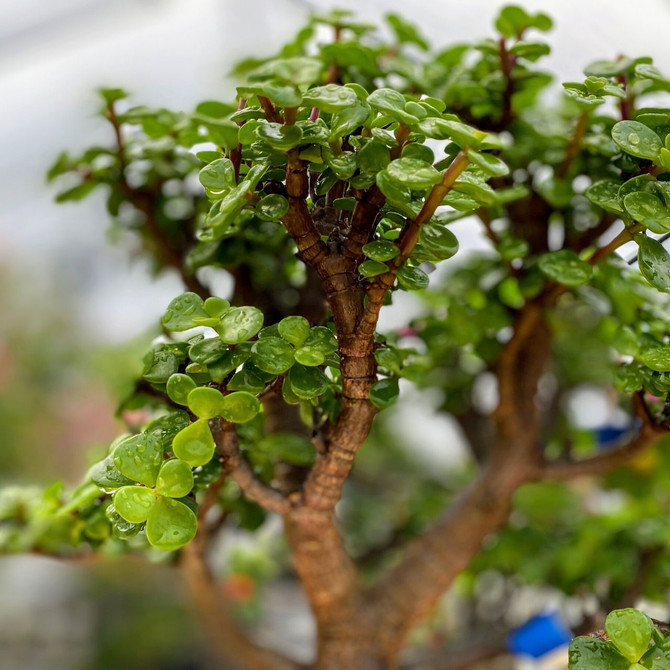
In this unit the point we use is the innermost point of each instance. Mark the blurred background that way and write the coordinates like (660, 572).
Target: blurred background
(77, 309)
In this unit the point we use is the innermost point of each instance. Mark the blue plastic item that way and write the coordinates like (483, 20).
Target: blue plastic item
(539, 635)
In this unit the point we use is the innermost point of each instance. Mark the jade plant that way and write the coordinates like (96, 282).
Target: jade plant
(330, 186)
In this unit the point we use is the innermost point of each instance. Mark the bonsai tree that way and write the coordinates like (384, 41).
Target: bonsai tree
(328, 187)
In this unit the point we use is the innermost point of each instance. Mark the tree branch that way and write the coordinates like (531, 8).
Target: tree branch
(298, 221)
(406, 241)
(225, 438)
(408, 593)
(602, 463)
(363, 222)
(225, 636)
(145, 203)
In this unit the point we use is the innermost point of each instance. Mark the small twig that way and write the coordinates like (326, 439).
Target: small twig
(574, 145)
(239, 470)
(604, 462)
(145, 202)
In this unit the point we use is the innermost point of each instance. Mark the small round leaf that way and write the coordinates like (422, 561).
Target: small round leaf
(240, 407)
(139, 458)
(654, 262)
(384, 393)
(630, 630)
(637, 139)
(181, 311)
(171, 524)
(565, 267)
(381, 250)
(178, 387)
(294, 329)
(205, 402)
(175, 479)
(134, 503)
(240, 324)
(194, 444)
(272, 207)
(273, 355)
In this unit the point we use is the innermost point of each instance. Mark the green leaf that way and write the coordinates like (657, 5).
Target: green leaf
(384, 393)
(106, 475)
(171, 524)
(610, 69)
(372, 268)
(588, 653)
(281, 94)
(647, 209)
(654, 263)
(529, 50)
(240, 407)
(605, 194)
(111, 95)
(294, 329)
(491, 165)
(348, 120)
(309, 356)
(419, 151)
(121, 528)
(279, 136)
(478, 190)
(307, 382)
(272, 207)
(412, 279)
(181, 311)
(387, 100)
(175, 479)
(514, 20)
(344, 165)
(460, 133)
(381, 250)
(438, 240)
(657, 658)
(389, 358)
(565, 267)
(194, 444)
(164, 428)
(288, 447)
(246, 380)
(178, 387)
(347, 204)
(412, 172)
(630, 631)
(406, 32)
(240, 324)
(216, 307)
(159, 363)
(207, 351)
(228, 362)
(139, 458)
(322, 339)
(637, 140)
(395, 192)
(373, 157)
(300, 70)
(134, 503)
(655, 357)
(219, 175)
(273, 355)
(330, 98)
(205, 402)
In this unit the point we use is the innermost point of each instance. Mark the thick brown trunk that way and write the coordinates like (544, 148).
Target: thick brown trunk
(349, 651)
